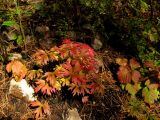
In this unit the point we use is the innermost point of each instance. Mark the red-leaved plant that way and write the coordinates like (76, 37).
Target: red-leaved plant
(129, 75)
(77, 63)
(79, 60)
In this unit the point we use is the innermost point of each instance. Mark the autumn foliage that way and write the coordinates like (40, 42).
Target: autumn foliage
(130, 76)
(40, 108)
(128, 70)
(17, 68)
(76, 63)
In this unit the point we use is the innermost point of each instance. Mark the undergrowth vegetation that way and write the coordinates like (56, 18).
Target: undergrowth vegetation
(56, 43)
(72, 65)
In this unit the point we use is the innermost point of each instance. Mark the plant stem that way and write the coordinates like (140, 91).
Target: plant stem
(20, 23)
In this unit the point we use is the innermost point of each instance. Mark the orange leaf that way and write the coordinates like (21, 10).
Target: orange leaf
(84, 89)
(75, 89)
(40, 84)
(50, 77)
(18, 70)
(121, 61)
(41, 57)
(32, 74)
(38, 112)
(61, 72)
(9, 67)
(46, 108)
(36, 103)
(46, 89)
(124, 74)
(54, 54)
(41, 108)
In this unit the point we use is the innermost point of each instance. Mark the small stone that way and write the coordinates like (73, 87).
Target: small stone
(14, 56)
(73, 114)
(97, 42)
(21, 90)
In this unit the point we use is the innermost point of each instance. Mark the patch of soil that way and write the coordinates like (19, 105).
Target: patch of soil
(12, 107)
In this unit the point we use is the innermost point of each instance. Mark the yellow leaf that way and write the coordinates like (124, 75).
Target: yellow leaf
(121, 61)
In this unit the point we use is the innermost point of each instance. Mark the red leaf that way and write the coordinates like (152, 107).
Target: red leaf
(77, 66)
(136, 75)
(124, 74)
(78, 79)
(134, 64)
(67, 41)
(61, 72)
(85, 99)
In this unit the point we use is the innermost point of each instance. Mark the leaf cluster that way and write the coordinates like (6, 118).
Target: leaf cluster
(77, 63)
(139, 85)
(134, 81)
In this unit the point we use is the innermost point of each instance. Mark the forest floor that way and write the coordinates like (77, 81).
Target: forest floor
(110, 106)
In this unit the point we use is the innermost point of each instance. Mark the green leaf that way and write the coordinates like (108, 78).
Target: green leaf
(150, 95)
(9, 23)
(122, 86)
(1, 58)
(144, 6)
(19, 40)
(12, 36)
(153, 37)
(133, 89)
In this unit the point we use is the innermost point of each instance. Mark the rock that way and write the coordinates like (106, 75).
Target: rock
(97, 42)
(22, 90)
(14, 56)
(42, 29)
(73, 114)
